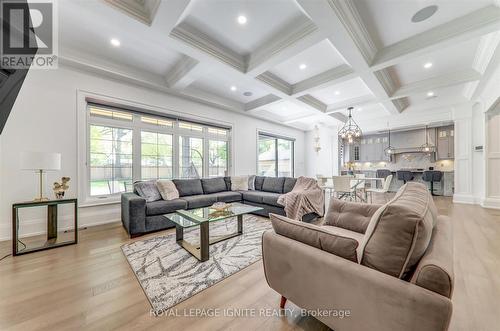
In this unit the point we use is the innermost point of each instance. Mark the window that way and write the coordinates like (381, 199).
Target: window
(156, 155)
(110, 160)
(125, 146)
(275, 156)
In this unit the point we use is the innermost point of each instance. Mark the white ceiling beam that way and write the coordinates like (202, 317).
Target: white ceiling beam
(183, 73)
(450, 79)
(266, 100)
(490, 70)
(473, 25)
(328, 78)
(349, 36)
(293, 39)
(313, 102)
(355, 102)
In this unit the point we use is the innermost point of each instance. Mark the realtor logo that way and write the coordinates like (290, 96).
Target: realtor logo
(29, 34)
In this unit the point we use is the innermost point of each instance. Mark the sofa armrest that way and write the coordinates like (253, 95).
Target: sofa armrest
(133, 211)
(352, 216)
(318, 281)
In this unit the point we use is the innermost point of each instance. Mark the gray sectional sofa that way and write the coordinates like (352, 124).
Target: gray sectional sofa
(140, 217)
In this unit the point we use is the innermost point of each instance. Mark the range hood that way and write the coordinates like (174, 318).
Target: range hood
(406, 142)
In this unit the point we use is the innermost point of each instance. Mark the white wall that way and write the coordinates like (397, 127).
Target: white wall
(44, 118)
(324, 162)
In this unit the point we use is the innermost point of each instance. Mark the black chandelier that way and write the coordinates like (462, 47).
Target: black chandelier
(350, 132)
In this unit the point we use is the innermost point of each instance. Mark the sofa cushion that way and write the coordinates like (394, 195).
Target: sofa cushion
(271, 199)
(147, 190)
(164, 207)
(213, 185)
(350, 215)
(198, 201)
(289, 184)
(259, 180)
(253, 196)
(273, 184)
(228, 196)
(399, 232)
(315, 236)
(167, 189)
(188, 187)
(435, 270)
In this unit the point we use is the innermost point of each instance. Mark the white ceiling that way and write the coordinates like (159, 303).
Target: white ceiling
(218, 20)
(366, 50)
(389, 21)
(317, 59)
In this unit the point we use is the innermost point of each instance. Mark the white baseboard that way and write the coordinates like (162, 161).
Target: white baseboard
(491, 203)
(465, 199)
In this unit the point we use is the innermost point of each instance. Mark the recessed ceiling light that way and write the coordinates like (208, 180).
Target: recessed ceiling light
(424, 13)
(430, 94)
(115, 42)
(337, 92)
(302, 66)
(360, 109)
(428, 65)
(242, 19)
(233, 88)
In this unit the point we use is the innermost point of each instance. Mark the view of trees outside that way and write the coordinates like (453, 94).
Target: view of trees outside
(190, 157)
(217, 158)
(110, 160)
(156, 155)
(270, 164)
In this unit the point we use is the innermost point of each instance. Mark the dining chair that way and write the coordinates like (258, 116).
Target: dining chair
(343, 188)
(384, 189)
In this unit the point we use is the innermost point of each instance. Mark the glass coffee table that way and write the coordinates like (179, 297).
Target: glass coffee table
(202, 217)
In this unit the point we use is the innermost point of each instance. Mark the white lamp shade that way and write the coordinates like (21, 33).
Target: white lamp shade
(40, 161)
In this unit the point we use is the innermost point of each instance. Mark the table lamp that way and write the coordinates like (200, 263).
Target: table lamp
(40, 162)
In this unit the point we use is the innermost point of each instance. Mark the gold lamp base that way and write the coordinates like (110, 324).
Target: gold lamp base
(40, 197)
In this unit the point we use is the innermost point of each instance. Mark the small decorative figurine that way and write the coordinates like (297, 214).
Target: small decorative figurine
(60, 188)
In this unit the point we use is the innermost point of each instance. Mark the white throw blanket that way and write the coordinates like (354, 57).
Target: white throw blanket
(306, 197)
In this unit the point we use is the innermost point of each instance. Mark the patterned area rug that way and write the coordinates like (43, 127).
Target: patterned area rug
(168, 274)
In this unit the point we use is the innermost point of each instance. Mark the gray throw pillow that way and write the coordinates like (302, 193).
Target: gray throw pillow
(147, 190)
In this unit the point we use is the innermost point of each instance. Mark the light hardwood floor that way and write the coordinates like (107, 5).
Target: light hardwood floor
(91, 286)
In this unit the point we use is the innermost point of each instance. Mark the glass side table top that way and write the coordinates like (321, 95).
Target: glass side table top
(193, 217)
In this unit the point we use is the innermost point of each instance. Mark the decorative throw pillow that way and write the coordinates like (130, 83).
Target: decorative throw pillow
(251, 182)
(239, 183)
(147, 190)
(167, 189)
(315, 236)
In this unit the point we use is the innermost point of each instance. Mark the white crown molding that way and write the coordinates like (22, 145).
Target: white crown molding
(275, 82)
(143, 11)
(450, 79)
(197, 39)
(386, 80)
(176, 77)
(295, 32)
(400, 104)
(266, 100)
(348, 14)
(485, 50)
(313, 102)
(328, 78)
(473, 25)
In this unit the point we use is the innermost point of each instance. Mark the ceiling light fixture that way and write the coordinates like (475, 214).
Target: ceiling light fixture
(115, 42)
(350, 132)
(389, 150)
(337, 92)
(430, 94)
(233, 88)
(427, 148)
(424, 14)
(242, 19)
(302, 66)
(428, 65)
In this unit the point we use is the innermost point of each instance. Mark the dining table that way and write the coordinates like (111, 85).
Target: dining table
(360, 194)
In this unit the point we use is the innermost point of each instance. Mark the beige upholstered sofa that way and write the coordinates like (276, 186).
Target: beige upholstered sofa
(370, 267)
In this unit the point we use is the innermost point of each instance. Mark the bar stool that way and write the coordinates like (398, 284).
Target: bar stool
(404, 175)
(432, 176)
(383, 173)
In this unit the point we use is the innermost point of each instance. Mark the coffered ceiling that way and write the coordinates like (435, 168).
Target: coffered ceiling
(296, 62)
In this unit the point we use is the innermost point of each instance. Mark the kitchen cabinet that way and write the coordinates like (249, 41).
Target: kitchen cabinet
(445, 143)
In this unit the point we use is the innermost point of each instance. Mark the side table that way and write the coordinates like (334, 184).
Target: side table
(52, 220)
